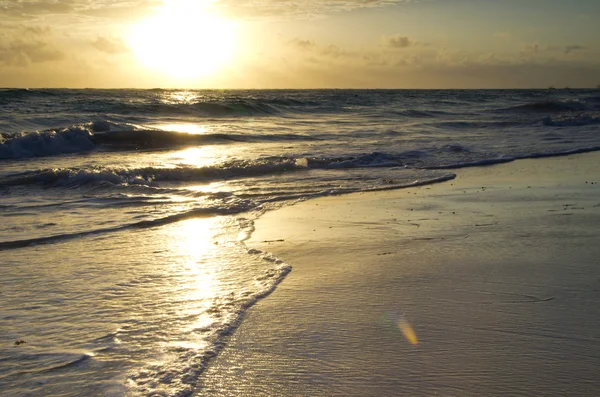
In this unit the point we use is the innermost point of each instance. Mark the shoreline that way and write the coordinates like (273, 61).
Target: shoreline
(484, 247)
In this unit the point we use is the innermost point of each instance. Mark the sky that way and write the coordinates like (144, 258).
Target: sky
(228, 44)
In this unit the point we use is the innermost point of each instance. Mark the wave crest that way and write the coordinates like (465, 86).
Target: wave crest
(149, 176)
(578, 120)
(73, 139)
(88, 136)
(552, 106)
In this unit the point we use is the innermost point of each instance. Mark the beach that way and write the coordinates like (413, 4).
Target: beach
(483, 285)
(395, 242)
(299, 198)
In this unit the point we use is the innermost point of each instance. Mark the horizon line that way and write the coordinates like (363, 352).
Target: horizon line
(549, 88)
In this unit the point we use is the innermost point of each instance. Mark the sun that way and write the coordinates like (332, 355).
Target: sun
(184, 40)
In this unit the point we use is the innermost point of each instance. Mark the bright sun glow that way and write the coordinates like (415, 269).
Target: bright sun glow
(185, 40)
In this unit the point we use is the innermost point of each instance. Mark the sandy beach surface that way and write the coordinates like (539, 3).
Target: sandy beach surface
(496, 272)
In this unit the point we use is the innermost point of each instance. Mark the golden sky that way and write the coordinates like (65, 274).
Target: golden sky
(299, 44)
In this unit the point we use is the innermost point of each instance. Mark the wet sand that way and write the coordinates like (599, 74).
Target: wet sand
(496, 271)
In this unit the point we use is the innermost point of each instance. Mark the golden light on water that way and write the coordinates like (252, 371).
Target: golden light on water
(190, 128)
(179, 97)
(184, 40)
(193, 239)
(198, 157)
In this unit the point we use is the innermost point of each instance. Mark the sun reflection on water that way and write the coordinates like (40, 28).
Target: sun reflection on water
(192, 242)
(186, 128)
(193, 239)
(197, 156)
(207, 278)
(179, 97)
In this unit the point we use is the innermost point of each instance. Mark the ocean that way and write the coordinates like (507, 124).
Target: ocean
(125, 213)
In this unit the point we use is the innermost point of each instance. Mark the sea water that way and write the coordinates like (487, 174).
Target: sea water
(125, 213)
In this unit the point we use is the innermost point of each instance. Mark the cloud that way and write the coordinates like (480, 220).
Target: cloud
(278, 8)
(398, 41)
(303, 44)
(29, 8)
(530, 51)
(30, 45)
(35, 10)
(124, 10)
(335, 52)
(572, 48)
(315, 49)
(110, 45)
(42, 10)
(372, 55)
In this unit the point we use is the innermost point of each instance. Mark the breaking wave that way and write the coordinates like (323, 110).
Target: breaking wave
(74, 177)
(196, 213)
(444, 157)
(89, 136)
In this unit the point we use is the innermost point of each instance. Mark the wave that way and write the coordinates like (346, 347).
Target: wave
(418, 114)
(552, 106)
(475, 163)
(48, 362)
(156, 102)
(578, 120)
(20, 93)
(88, 136)
(489, 124)
(559, 153)
(231, 206)
(231, 108)
(196, 213)
(444, 157)
(219, 104)
(73, 139)
(152, 138)
(508, 159)
(265, 166)
(149, 176)
(106, 101)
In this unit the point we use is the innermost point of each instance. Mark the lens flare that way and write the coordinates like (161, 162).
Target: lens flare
(408, 331)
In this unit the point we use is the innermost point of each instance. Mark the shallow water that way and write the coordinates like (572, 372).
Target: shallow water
(139, 312)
